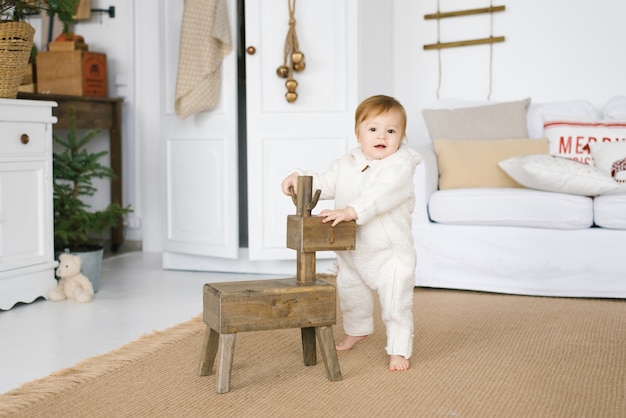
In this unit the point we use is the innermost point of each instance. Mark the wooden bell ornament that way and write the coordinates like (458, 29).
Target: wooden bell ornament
(293, 59)
(291, 94)
(297, 60)
(282, 71)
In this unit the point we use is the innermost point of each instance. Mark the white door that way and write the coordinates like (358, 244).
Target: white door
(312, 131)
(200, 154)
(200, 160)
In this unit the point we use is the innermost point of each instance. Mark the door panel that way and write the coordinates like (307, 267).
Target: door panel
(200, 155)
(307, 134)
(195, 213)
(280, 155)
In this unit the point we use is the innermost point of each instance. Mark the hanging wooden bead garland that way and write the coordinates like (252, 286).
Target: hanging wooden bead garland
(293, 58)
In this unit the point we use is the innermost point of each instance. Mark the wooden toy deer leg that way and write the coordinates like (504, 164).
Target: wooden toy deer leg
(305, 262)
(309, 350)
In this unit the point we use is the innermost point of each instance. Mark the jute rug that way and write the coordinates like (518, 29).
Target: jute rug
(475, 355)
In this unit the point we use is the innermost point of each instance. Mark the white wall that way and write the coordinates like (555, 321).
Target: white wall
(114, 37)
(554, 50)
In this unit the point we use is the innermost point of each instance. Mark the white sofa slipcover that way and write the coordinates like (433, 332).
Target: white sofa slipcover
(587, 261)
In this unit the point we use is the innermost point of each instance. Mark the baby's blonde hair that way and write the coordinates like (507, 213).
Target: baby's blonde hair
(376, 105)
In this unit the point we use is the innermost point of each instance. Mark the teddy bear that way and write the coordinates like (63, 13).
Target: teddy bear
(72, 283)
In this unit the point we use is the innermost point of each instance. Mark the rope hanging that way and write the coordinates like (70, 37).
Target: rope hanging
(491, 40)
(490, 51)
(293, 58)
(438, 53)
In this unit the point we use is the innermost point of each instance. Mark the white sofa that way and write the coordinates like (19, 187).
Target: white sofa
(519, 240)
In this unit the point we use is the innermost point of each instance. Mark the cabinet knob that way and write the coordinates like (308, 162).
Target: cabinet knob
(251, 50)
(25, 139)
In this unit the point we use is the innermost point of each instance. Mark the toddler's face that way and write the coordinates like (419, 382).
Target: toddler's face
(380, 136)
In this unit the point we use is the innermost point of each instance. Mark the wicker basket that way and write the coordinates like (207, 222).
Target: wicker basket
(16, 43)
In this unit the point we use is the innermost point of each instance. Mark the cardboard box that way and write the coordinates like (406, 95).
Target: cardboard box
(75, 73)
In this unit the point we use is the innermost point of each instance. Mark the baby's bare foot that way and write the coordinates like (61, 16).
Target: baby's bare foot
(398, 363)
(349, 342)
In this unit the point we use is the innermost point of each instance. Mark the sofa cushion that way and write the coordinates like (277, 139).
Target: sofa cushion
(609, 211)
(511, 207)
(569, 137)
(474, 163)
(494, 121)
(556, 174)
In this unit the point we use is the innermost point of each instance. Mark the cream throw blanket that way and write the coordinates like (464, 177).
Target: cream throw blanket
(204, 42)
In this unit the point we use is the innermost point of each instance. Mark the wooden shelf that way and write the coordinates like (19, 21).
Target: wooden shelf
(442, 45)
(467, 12)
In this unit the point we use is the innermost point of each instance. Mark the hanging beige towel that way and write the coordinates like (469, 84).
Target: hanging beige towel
(204, 42)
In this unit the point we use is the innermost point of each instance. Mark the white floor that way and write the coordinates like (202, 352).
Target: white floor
(136, 297)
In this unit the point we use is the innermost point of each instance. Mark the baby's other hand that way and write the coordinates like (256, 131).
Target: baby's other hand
(290, 181)
(338, 215)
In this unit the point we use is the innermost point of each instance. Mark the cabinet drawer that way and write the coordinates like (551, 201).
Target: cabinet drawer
(22, 139)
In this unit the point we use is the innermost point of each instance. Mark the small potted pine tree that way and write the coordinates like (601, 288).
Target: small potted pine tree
(77, 228)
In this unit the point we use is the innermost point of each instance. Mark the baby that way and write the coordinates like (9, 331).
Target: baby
(373, 185)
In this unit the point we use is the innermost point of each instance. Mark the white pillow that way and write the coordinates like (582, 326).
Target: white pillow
(569, 137)
(615, 108)
(610, 158)
(555, 174)
(572, 109)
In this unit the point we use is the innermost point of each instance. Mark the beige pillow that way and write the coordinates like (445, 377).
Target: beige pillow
(495, 121)
(474, 163)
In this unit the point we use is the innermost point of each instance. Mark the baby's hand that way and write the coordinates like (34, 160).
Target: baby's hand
(290, 181)
(338, 215)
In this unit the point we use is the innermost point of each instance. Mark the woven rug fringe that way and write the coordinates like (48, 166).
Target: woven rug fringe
(94, 367)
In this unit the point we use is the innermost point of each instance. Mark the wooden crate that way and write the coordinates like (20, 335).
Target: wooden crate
(75, 73)
(83, 11)
(68, 46)
(27, 88)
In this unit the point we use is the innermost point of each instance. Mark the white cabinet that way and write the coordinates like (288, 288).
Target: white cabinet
(26, 215)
